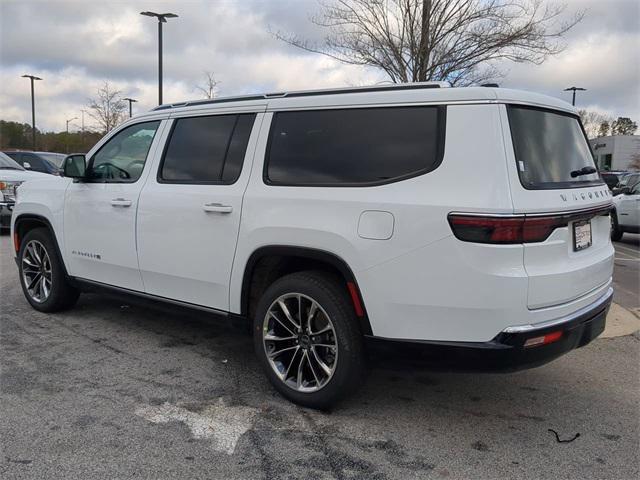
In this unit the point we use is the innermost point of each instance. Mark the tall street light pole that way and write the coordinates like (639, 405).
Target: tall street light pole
(574, 89)
(162, 18)
(67, 136)
(70, 120)
(33, 111)
(130, 100)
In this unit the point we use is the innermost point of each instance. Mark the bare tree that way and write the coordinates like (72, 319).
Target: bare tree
(209, 89)
(635, 162)
(593, 122)
(434, 40)
(107, 108)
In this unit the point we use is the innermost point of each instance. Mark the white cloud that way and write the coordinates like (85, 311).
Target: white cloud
(75, 46)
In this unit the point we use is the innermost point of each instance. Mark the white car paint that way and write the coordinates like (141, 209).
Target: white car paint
(416, 279)
(627, 207)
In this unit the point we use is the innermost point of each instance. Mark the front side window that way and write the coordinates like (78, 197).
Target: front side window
(122, 158)
(206, 149)
(551, 149)
(351, 147)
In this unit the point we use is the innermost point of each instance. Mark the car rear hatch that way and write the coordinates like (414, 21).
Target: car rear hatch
(555, 186)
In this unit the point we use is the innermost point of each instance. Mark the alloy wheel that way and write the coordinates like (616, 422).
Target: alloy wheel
(36, 271)
(300, 342)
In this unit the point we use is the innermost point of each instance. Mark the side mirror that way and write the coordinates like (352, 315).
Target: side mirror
(626, 191)
(26, 165)
(74, 166)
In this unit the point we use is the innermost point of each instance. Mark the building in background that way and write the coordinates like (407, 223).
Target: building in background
(616, 152)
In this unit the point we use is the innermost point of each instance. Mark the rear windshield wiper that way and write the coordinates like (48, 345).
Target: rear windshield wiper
(583, 171)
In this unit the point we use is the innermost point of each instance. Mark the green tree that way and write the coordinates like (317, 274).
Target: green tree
(603, 131)
(623, 126)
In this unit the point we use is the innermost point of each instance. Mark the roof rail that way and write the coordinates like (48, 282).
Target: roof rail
(308, 93)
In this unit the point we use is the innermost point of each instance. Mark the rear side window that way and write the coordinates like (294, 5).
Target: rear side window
(550, 149)
(354, 147)
(206, 149)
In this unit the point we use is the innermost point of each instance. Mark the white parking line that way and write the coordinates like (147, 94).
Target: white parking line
(626, 259)
(626, 249)
(624, 254)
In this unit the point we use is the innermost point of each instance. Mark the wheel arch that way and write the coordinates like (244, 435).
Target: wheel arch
(268, 263)
(26, 222)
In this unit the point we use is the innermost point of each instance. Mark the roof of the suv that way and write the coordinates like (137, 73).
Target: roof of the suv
(425, 92)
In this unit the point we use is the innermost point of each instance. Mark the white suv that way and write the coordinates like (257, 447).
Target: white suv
(462, 218)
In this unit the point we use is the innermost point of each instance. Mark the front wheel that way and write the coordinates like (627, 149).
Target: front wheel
(308, 340)
(42, 275)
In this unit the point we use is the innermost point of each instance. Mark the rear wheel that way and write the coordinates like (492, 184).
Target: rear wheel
(42, 275)
(616, 231)
(308, 340)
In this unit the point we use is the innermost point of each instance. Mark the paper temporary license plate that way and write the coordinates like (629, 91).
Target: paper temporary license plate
(581, 235)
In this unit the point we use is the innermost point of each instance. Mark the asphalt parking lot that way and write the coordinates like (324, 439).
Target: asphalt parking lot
(114, 389)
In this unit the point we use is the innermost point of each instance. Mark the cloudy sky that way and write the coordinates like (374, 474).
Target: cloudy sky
(76, 45)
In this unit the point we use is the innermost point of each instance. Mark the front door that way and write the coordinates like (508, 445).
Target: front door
(100, 211)
(189, 215)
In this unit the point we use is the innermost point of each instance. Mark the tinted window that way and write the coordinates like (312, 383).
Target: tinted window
(122, 158)
(54, 158)
(36, 164)
(548, 147)
(357, 146)
(207, 149)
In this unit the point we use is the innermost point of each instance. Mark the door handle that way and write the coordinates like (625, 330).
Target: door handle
(121, 202)
(217, 208)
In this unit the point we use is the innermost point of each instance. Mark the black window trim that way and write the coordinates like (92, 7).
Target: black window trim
(90, 162)
(440, 135)
(555, 185)
(161, 180)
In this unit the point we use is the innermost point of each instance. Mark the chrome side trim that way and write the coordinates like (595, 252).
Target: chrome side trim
(596, 210)
(559, 321)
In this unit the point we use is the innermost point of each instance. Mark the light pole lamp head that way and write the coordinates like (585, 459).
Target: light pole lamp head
(574, 89)
(162, 17)
(32, 77)
(130, 100)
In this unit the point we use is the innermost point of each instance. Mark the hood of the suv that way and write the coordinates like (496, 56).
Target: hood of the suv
(21, 175)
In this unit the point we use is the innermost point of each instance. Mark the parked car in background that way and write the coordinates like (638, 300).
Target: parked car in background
(11, 176)
(43, 162)
(628, 179)
(611, 178)
(625, 216)
(326, 218)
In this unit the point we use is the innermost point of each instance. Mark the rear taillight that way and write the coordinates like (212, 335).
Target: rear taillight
(508, 229)
(504, 230)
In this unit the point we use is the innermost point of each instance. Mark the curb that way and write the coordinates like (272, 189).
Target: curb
(620, 322)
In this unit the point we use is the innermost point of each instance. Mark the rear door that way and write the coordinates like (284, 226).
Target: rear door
(189, 212)
(549, 163)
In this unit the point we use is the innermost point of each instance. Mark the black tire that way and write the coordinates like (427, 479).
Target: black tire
(331, 295)
(616, 231)
(62, 295)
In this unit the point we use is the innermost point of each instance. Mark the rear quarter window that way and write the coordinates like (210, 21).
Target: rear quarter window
(354, 147)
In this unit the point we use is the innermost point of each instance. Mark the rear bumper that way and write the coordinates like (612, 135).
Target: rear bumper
(507, 351)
